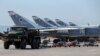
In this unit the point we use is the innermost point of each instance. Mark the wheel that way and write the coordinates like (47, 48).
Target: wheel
(23, 44)
(6, 45)
(69, 46)
(87, 45)
(35, 44)
(97, 45)
(79, 46)
(65, 46)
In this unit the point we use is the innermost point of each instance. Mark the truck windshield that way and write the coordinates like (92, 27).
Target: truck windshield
(17, 29)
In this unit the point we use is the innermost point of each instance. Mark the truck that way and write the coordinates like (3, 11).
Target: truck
(20, 36)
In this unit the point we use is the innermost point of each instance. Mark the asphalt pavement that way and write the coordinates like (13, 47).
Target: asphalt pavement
(58, 51)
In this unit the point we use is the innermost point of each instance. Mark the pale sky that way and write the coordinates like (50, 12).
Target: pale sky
(80, 12)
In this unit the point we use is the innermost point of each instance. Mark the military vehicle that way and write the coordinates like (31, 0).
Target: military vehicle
(20, 36)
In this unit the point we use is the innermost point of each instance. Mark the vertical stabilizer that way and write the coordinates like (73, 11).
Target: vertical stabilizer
(50, 22)
(19, 20)
(40, 22)
(72, 24)
(61, 23)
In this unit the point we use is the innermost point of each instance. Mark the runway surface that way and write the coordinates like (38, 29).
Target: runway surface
(68, 51)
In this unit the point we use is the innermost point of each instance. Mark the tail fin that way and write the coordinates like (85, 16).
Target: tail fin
(19, 20)
(72, 24)
(50, 22)
(40, 22)
(61, 23)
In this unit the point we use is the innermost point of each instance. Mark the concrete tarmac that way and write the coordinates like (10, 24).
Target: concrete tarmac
(68, 51)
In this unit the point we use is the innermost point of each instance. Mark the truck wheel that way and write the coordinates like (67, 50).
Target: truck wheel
(23, 44)
(35, 44)
(6, 45)
(97, 45)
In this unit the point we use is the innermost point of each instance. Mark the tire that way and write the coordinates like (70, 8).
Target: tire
(97, 45)
(87, 45)
(6, 45)
(79, 46)
(23, 44)
(35, 44)
(69, 46)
